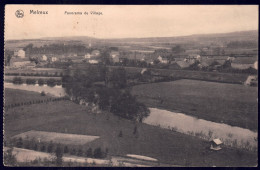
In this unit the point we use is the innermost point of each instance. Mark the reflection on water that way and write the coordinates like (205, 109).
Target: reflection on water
(191, 125)
(56, 91)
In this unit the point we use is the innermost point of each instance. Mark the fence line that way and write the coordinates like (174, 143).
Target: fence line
(6, 107)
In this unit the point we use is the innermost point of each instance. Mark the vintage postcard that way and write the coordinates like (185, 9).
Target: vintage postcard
(131, 86)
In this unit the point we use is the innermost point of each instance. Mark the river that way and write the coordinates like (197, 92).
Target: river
(56, 91)
(230, 135)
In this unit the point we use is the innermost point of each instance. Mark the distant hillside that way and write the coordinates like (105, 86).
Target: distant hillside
(233, 36)
(197, 38)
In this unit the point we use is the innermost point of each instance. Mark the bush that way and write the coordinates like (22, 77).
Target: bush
(89, 153)
(43, 93)
(98, 153)
(17, 80)
(43, 148)
(51, 82)
(30, 81)
(66, 149)
(19, 143)
(58, 82)
(9, 158)
(50, 147)
(58, 155)
(35, 147)
(79, 153)
(41, 82)
(73, 151)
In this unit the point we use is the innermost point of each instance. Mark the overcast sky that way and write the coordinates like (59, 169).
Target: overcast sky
(128, 21)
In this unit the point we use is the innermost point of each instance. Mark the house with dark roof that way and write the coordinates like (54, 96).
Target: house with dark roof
(185, 64)
(95, 53)
(244, 63)
(20, 62)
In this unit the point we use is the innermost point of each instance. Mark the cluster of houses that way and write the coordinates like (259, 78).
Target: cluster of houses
(206, 61)
(164, 58)
(20, 60)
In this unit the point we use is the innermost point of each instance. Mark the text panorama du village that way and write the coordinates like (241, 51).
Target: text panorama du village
(69, 12)
(83, 13)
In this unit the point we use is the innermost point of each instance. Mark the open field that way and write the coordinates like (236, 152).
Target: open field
(232, 104)
(188, 74)
(62, 138)
(12, 96)
(164, 145)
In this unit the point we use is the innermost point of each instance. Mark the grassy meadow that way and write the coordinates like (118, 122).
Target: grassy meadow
(233, 104)
(12, 96)
(165, 145)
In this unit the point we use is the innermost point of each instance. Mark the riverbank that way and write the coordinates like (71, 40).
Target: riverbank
(56, 91)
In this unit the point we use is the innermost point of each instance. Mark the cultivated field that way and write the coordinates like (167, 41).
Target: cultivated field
(228, 103)
(164, 145)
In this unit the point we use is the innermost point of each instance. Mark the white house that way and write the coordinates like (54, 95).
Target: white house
(44, 58)
(93, 61)
(215, 144)
(163, 60)
(87, 55)
(115, 56)
(53, 59)
(20, 53)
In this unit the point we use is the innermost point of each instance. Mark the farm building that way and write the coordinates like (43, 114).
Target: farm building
(244, 62)
(19, 62)
(251, 80)
(77, 59)
(221, 62)
(216, 144)
(149, 61)
(115, 56)
(20, 53)
(95, 53)
(163, 60)
(241, 66)
(184, 64)
(93, 61)
(174, 66)
(87, 55)
(193, 57)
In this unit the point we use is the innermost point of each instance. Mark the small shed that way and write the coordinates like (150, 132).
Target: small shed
(216, 144)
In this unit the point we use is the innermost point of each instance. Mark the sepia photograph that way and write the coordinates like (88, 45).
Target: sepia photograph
(130, 86)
